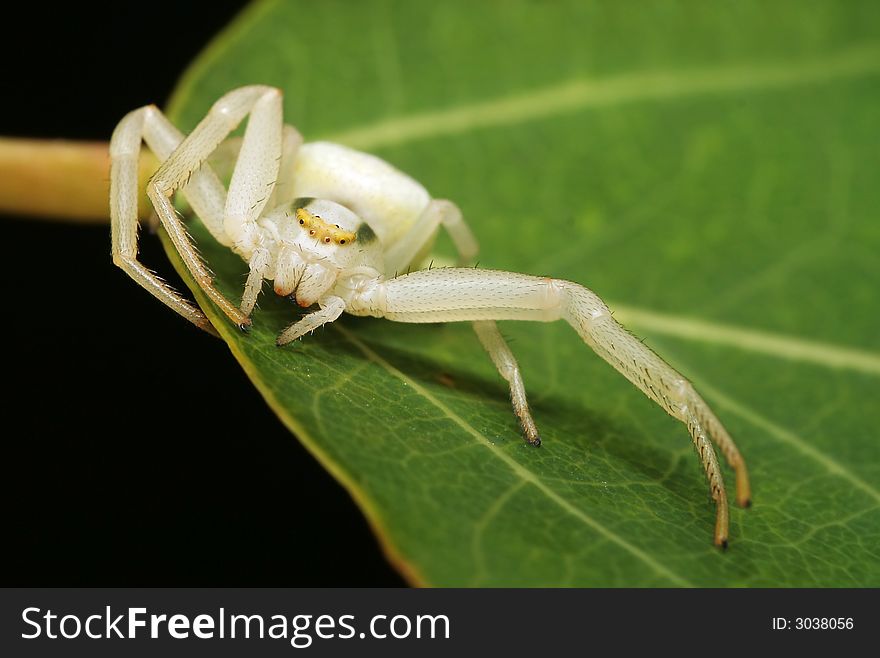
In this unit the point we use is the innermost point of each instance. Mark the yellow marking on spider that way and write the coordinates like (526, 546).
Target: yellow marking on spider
(323, 231)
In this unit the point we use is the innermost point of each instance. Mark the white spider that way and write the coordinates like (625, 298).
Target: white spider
(332, 226)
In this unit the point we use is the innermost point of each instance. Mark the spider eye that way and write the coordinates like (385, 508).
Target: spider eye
(327, 239)
(301, 222)
(342, 241)
(312, 232)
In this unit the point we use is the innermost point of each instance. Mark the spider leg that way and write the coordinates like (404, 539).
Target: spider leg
(258, 265)
(204, 192)
(224, 157)
(291, 140)
(457, 294)
(441, 212)
(331, 308)
(499, 351)
(250, 188)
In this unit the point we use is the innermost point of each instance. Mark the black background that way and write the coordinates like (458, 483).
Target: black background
(108, 482)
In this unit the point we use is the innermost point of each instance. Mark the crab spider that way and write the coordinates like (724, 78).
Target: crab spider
(332, 227)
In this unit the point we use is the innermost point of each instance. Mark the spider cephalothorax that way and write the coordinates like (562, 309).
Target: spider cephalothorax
(334, 226)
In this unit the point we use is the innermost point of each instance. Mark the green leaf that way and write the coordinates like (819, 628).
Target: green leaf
(709, 169)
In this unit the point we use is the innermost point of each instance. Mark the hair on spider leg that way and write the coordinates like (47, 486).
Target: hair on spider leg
(508, 339)
(198, 253)
(260, 201)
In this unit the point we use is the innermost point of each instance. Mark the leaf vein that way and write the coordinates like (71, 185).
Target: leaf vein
(518, 469)
(480, 527)
(582, 93)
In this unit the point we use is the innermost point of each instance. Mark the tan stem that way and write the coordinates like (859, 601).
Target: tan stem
(60, 179)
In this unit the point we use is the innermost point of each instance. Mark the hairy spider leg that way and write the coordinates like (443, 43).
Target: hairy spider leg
(284, 191)
(458, 294)
(441, 212)
(204, 192)
(499, 351)
(253, 179)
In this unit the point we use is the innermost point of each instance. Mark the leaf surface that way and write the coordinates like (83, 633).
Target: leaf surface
(710, 170)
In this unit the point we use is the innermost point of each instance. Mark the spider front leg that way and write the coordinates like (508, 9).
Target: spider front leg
(252, 183)
(441, 212)
(225, 157)
(454, 294)
(204, 192)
